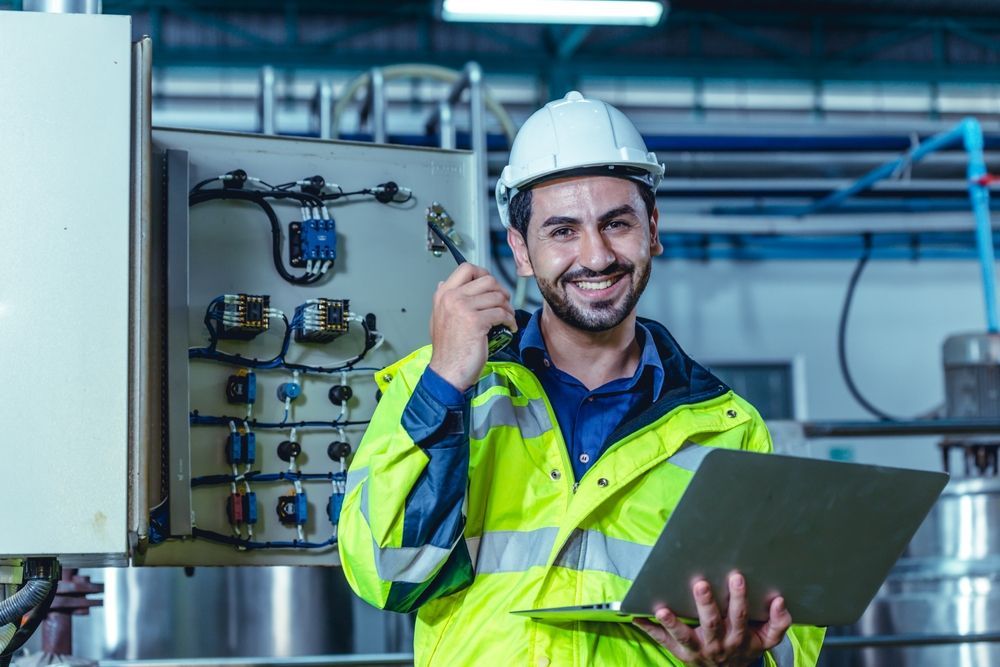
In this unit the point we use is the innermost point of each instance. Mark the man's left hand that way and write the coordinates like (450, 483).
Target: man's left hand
(731, 641)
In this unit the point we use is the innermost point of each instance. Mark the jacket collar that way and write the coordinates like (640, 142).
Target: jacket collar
(685, 380)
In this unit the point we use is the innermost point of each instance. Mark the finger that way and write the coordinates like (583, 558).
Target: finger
(684, 636)
(737, 615)
(495, 316)
(483, 283)
(660, 635)
(709, 617)
(488, 300)
(464, 273)
(778, 622)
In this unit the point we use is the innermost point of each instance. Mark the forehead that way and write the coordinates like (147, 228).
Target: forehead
(583, 197)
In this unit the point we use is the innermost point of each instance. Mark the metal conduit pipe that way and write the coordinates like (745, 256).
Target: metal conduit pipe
(27, 598)
(7, 633)
(423, 71)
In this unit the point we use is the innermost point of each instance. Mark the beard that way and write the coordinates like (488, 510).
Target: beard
(601, 315)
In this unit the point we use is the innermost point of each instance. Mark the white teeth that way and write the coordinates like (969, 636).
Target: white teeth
(604, 284)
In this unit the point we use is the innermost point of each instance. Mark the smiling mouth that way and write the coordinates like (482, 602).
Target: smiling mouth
(597, 285)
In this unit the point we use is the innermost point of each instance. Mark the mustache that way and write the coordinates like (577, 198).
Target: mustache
(610, 270)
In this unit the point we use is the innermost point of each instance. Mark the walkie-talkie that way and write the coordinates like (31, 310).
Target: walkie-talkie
(499, 336)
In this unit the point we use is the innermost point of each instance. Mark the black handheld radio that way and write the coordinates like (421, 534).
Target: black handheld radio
(499, 336)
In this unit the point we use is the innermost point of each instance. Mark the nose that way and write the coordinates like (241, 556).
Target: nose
(595, 252)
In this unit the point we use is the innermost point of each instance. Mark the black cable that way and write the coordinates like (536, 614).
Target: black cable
(842, 334)
(301, 197)
(337, 195)
(200, 184)
(370, 340)
(200, 196)
(35, 618)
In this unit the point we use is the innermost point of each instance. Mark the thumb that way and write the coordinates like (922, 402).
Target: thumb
(778, 622)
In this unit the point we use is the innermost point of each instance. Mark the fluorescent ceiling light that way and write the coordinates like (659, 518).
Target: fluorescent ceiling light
(594, 12)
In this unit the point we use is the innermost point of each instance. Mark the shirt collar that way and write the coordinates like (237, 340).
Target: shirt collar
(534, 353)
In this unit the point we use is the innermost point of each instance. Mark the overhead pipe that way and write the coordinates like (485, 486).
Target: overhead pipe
(63, 6)
(969, 133)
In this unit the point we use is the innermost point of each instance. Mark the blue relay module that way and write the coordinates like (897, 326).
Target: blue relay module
(312, 240)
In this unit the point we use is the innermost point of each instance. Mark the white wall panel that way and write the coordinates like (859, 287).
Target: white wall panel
(64, 215)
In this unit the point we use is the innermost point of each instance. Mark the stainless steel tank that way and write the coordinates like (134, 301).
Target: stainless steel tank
(218, 612)
(948, 582)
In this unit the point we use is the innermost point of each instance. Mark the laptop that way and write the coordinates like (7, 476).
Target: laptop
(823, 534)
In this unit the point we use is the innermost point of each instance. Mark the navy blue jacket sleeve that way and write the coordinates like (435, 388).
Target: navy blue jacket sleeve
(436, 415)
(437, 419)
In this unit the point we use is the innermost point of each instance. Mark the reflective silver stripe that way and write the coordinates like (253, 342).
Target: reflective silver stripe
(593, 550)
(411, 565)
(472, 543)
(354, 477)
(689, 456)
(488, 382)
(495, 380)
(513, 551)
(364, 503)
(784, 653)
(532, 419)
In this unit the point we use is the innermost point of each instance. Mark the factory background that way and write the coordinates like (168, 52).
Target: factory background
(759, 111)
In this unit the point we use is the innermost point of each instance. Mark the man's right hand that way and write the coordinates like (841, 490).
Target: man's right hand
(466, 306)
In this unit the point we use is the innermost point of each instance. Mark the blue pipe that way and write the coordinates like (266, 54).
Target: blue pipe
(935, 143)
(979, 195)
(970, 133)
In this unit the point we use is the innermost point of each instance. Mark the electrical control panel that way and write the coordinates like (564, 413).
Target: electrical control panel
(294, 270)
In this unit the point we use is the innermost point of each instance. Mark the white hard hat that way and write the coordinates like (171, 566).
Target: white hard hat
(575, 134)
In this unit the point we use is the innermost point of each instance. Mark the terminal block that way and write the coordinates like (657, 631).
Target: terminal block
(333, 507)
(241, 447)
(321, 320)
(241, 508)
(241, 388)
(293, 510)
(244, 316)
(336, 501)
(312, 241)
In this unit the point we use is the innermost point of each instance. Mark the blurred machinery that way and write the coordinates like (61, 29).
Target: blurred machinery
(947, 583)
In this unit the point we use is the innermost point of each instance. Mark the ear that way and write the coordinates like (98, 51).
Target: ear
(520, 249)
(655, 247)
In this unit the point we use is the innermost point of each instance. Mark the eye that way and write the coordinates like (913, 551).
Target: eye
(561, 232)
(618, 224)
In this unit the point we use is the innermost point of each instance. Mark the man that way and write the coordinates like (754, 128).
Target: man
(541, 477)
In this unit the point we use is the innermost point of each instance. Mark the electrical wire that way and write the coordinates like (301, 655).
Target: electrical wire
(842, 334)
(258, 476)
(260, 199)
(34, 619)
(197, 419)
(251, 545)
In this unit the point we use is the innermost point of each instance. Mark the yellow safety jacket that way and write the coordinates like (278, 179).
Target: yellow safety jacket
(468, 533)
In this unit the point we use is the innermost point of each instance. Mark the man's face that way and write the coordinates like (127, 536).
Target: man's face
(589, 245)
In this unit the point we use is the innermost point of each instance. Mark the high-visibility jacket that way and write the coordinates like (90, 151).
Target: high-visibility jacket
(467, 534)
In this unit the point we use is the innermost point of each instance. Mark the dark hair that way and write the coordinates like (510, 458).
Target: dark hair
(519, 211)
